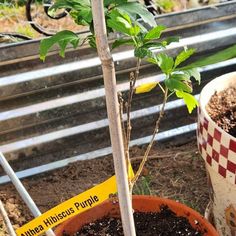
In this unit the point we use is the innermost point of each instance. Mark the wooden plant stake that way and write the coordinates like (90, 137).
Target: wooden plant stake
(114, 117)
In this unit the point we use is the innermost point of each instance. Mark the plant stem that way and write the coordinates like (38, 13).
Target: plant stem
(133, 79)
(113, 117)
(121, 103)
(156, 130)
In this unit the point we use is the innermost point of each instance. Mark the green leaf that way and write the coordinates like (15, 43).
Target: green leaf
(120, 42)
(120, 22)
(194, 73)
(165, 62)
(80, 11)
(116, 26)
(134, 8)
(135, 30)
(124, 21)
(62, 38)
(84, 16)
(154, 45)
(189, 100)
(142, 52)
(155, 33)
(144, 88)
(183, 56)
(70, 4)
(92, 41)
(116, 2)
(220, 56)
(153, 60)
(174, 84)
(181, 76)
(170, 40)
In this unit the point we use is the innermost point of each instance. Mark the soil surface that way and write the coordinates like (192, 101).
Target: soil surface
(175, 170)
(164, 223)
(222, 110)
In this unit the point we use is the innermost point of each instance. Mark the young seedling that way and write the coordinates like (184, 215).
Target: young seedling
(121, 16)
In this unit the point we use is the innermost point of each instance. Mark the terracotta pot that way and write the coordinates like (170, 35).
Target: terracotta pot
(218, 149)
(141, 204)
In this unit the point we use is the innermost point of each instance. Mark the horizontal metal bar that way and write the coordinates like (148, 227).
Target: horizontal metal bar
(98, 153)
(220, 9)
(40, 139)
(92, 62)
(85, 96)
(59, 102)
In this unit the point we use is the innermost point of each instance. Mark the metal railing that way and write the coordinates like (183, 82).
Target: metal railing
(54, 113)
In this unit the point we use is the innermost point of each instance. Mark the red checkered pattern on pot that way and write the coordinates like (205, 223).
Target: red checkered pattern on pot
(217, 148)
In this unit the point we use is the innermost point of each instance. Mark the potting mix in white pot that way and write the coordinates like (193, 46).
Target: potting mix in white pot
(217, 146)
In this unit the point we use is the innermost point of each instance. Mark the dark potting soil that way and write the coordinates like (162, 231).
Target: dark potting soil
(163, 223)
(222, 110)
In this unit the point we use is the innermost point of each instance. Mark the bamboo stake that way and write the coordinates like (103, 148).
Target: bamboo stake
(6, 220)
(114, 117)
(21, 190)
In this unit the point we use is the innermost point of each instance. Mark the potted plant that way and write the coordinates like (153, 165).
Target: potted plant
(217, 145)
(120, 16)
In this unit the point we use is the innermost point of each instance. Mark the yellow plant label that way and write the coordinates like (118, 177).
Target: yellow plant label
(130, 171)
(72, 207)
(69, 208)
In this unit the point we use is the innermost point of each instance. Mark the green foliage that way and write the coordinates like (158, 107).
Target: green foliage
(26, 30)
(165, 63)
(120, 16)
(155, 33)
(142, 40)
(166, 5)
(14, 3)
(189, 100)
(220, 56)
(62, 38)
(177, 80)
(143, 186)
(137, 10)
(183, 56)
(82, 13)
(122, 23)
(92, 41)
(178, 83)
(120, 42)
(108, 3)
(193, 73)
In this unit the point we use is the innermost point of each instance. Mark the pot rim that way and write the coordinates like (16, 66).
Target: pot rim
(203, 102)
(189, 213)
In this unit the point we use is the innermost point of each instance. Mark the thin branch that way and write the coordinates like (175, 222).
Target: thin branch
(133, 79)
(162, 89)
(154, 157)
(121, 103)
(156, 130)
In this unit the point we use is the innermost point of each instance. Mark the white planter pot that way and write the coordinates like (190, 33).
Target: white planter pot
(218, 149)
